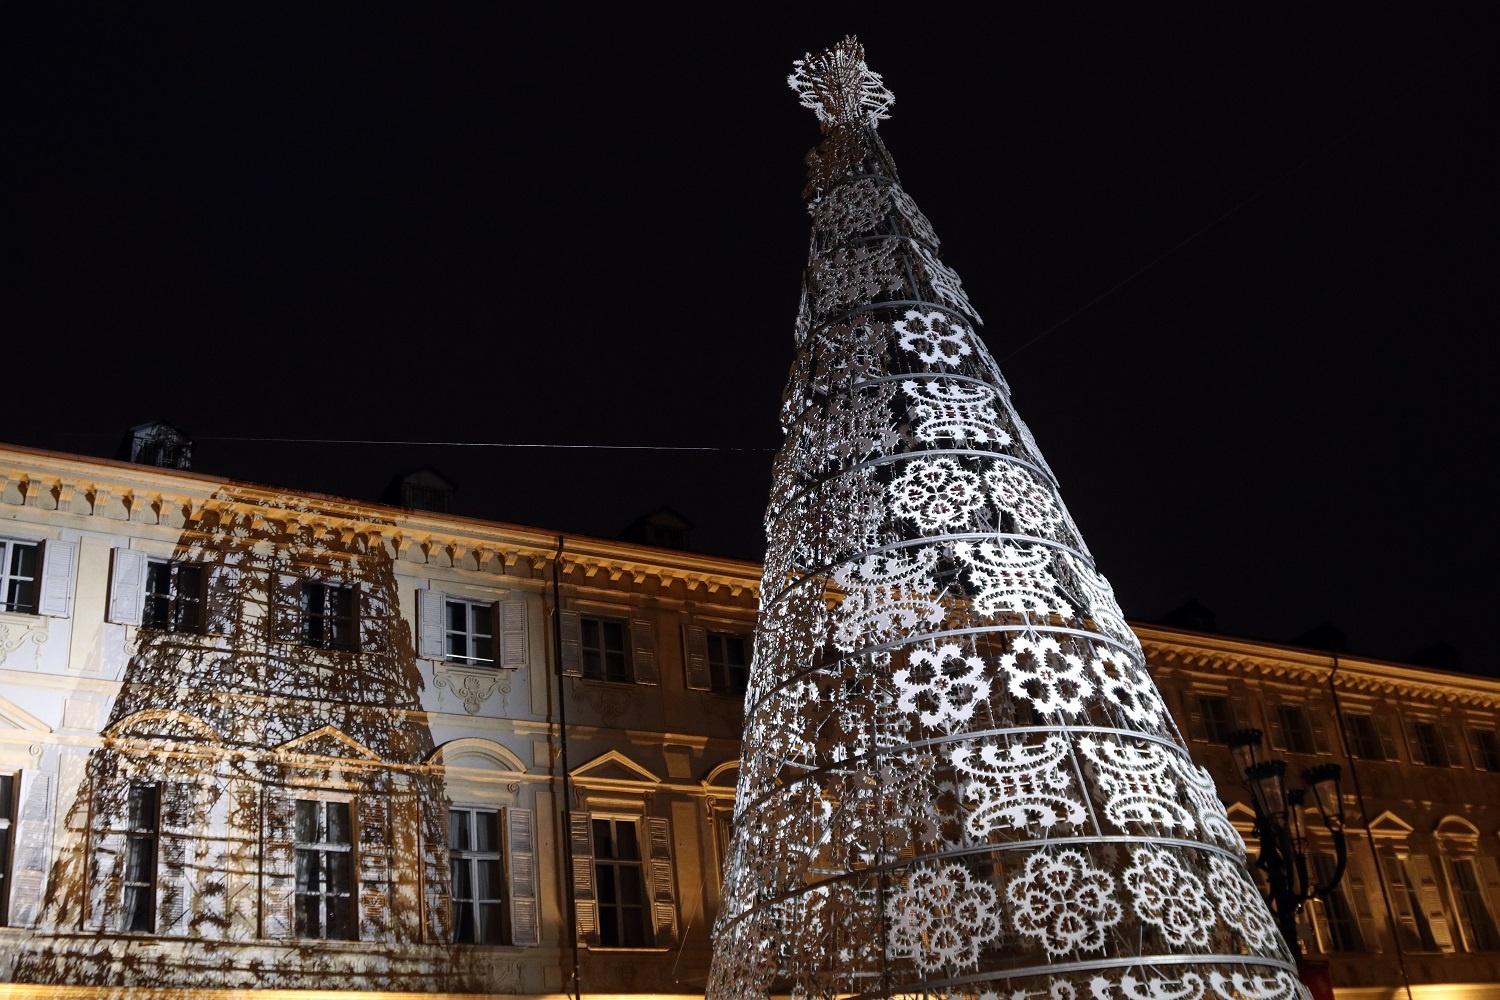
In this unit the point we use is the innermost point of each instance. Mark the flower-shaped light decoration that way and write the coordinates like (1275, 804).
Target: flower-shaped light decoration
(942, 686)
(936, 337)
(1064, 902)
(1127, 686)
(936, 493)
(1025, 498)
(941, 918)
(1240, 904)
(839, 88)
(1053, 681)
(1168, 896)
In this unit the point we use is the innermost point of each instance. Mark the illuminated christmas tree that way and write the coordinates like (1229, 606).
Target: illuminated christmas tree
(958, 778)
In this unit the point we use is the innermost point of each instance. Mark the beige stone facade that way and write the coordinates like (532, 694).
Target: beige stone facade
(257, 740)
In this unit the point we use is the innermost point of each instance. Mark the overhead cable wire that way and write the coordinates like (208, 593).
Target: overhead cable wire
(487, 444)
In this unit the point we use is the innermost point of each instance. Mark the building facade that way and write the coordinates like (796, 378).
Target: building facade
(253, 739)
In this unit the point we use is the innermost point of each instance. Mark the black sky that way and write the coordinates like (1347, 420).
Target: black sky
(443, 222)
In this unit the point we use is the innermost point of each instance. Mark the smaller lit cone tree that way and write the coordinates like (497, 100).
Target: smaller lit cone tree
(958, 778)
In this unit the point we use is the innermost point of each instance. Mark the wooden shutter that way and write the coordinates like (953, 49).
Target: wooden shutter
(279, 862)
(56, 597)
(174, 887)
(1387, 738)
(373, 855)
(1194, 713)
(695, 655)
(643, 650)
(286, 607)
(1420, 866)
(514, 636)
(430, 609)
(1364, 911)
(585, 902)
(571, 633)
(32, 847)
(1316, 723)
(127, 586)
(1450, 744)
(1273, 729)
(222, 597)
(520, 847)
(663, 882)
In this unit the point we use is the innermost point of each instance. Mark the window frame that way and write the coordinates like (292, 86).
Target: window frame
(720, 680)
(599, 651)
(322, 636)
(176, 598)
(10, 549)
(1486, 747)
(617, 867)
(1368, 737)
(1472, 901)
(1427, 740)
(1339, 915)
(475, 610)
(142, 842)
(1285, 711)
(345, 898)
(1410, 916)
(1213, 730)
(471, 857)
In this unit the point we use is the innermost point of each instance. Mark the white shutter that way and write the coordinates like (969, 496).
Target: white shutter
(1476, 751)
(1413, 745)
(1364, 912)
(1315, 910)
(571, 634)
(1273, 730)
(520, 846)
(1432, 900)
(286, 607)
(430, 608)
(1387, 738)
(58, 560)
(279, 862)
(127, 586)
(1450, 744)
(1315, 722)
(585, 902)
(643, 650)
(174, 884)
(373, 865)
(663, 882)
(1239, 709)
(222, 616)
(31, 842)
(695, 654)
(1194, 713)
(514, 651)
(1489, 879)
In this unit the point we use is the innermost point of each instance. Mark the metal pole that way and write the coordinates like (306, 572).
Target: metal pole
(562, 741)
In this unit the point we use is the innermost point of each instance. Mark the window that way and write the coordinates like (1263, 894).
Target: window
(620, 884)
(140, 859)
(174, 597)
(1486, 749)
(1343, 927)
(1218, 722)
(325, 876)
(470, 632)
(1483, 933)
(478, 883)
(729, 668)
(18, 576)
(603, 649)
(1296, 731)
(1428, 742)
(328, 619)
(1364, 739)
(1411, 919)
(7, 826)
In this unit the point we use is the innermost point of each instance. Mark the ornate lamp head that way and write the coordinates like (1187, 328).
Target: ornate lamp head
(1324, 782)
(1244, 746)
(1268, 785)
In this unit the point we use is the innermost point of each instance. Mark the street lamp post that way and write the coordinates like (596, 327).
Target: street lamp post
(1278, 826)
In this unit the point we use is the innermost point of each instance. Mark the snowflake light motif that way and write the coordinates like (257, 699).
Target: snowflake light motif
(886, 596)
(1139, 783)
(1011, 577)
(839, 88)
(948, 410)
(935, 337)
(936, 493)
(1241, 906)
(1168, 896)
(941, 918)
(844, 353)
(942, 686)
(1018, 787)
(1028, 500)
(1128, 687)
(1064, 902)
(1055, 681)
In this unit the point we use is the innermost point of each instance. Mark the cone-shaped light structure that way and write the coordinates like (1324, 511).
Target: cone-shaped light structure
(958, 778)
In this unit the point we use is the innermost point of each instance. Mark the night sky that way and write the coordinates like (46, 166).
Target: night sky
(446, 223)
